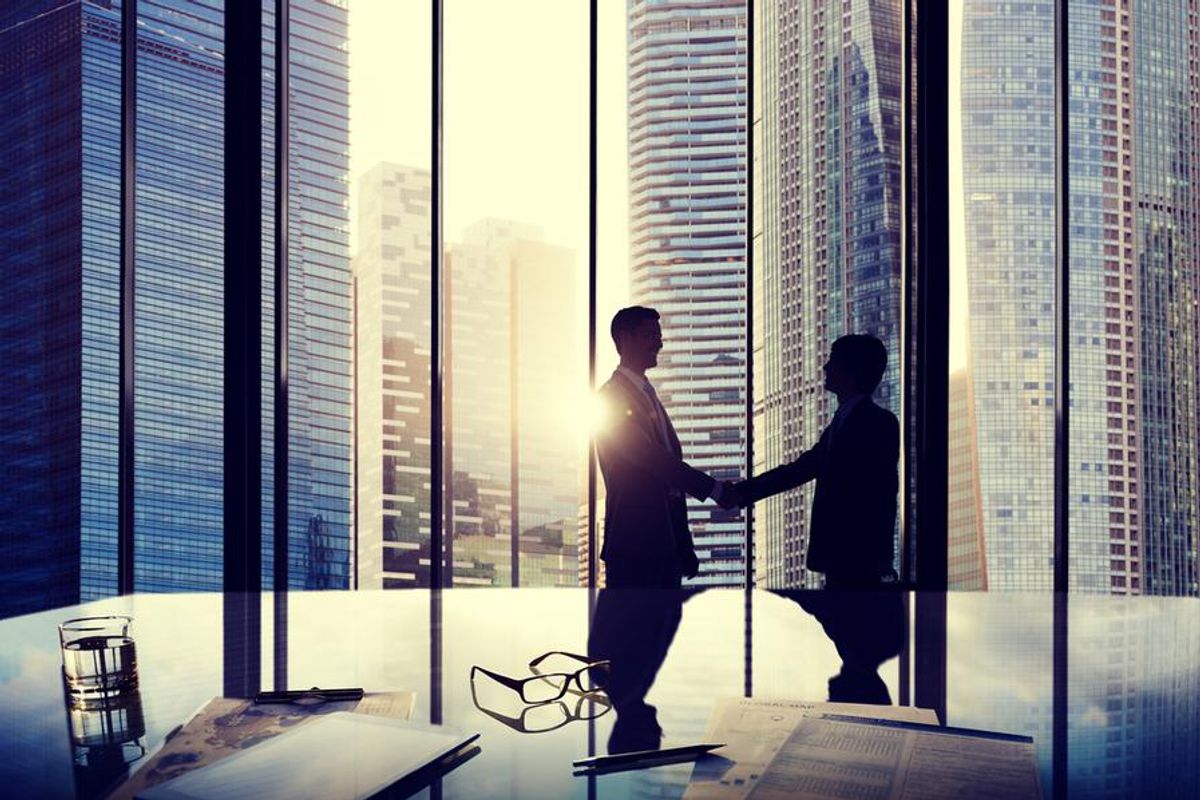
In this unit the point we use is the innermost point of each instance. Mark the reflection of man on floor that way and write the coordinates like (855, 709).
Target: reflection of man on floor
(867, 628)
(647, 545)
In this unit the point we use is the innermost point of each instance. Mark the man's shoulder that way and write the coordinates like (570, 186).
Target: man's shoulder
(617, 396)
(615, 385)
(877, 418)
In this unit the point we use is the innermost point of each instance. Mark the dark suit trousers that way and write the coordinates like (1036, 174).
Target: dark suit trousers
(636, 618)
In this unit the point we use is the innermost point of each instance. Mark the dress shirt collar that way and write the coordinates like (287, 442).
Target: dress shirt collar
(846, 406)
(640, 381)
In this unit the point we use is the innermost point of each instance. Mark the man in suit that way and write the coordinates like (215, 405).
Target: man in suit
(647, 545)
(853, 520)
(854, 463)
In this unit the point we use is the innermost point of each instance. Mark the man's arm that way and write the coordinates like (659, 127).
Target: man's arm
(623, 441)
(782, 478)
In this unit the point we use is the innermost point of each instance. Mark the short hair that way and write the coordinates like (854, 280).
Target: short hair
(628, 320)
(865, 358)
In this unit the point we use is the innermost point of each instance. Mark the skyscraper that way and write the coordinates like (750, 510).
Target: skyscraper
(392, 340)
(827, 234)
(1134, 283)
(513, 374)
(510, 458)
(60, 89)
(966, 568)
(687, 216)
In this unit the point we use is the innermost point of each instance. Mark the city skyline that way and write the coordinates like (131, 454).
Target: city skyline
(61, 92)
(1134, 279)
(513, 379)
(827, 237)
(672, 85)
(687, 217)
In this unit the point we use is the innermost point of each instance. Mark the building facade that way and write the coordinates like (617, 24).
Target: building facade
(966, 567)
(1134, 504)
(687, 216)
(61, 92)
(511, 457)
(392, 269)
(827, 234)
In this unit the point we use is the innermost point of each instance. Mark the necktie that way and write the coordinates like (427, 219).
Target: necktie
(660, 415)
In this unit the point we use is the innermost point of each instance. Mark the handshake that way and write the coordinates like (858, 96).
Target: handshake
(732, 495)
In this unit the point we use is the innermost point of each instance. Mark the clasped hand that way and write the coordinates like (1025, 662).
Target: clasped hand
(733, 495)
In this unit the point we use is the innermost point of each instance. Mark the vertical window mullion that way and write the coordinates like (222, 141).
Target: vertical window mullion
(748, 512)
(436, 521)
(128, 234)
(243, 90)
(592, 190)
(1062, 397)
(282, 324)
(925, 342)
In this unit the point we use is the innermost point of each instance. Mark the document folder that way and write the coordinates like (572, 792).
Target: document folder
(340, 755)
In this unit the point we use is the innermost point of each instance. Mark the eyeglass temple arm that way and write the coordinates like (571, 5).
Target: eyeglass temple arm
(515, 685)
(576, 656)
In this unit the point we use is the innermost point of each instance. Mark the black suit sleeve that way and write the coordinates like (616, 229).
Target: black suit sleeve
(624, 441)
(787, 476)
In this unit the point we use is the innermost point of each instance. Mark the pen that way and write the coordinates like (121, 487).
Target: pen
(642, 758)
(315, 693)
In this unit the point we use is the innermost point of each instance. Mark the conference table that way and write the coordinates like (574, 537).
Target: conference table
(1107, 687)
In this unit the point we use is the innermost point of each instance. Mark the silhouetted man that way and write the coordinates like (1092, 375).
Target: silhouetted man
(853, 520)
(647, 545)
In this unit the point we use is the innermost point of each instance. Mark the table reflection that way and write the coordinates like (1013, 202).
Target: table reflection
(1133, 666)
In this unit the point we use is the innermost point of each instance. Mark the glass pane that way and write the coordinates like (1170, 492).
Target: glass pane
(515, 289)
(827, 246)
(179, 438)
(1002, 286)
(1135, 280)
(60, 102)
(391, 233)
(672, 220)
(320, 350)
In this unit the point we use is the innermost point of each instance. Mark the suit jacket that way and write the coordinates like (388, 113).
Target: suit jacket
(853, 519)
(645, 516)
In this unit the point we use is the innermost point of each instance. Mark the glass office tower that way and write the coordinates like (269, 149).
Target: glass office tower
(827, 234)
(687, 217)
(61, 116)
(1134, 277)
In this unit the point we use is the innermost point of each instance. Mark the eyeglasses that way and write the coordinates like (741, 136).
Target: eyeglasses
(546, 717)
(546, 687)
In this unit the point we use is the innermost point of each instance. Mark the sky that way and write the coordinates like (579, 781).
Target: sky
(515, 126)
(515, 120)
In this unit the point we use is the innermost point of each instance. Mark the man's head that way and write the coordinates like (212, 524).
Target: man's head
(638, 336)
(856, 365)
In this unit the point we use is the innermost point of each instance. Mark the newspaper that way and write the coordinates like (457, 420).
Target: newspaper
(836, 756)
(227, 725)
(755, 729)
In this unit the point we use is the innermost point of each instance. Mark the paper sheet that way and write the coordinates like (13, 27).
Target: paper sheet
(754, 730)
(229, 725)
(841, 757)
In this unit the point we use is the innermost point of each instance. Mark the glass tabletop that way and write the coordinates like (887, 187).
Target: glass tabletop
(1128, 723)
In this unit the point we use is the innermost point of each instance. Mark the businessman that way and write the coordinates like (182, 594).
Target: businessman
(854, 464)
(647, 545)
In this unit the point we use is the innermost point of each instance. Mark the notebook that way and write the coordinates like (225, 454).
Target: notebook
(340, 755)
